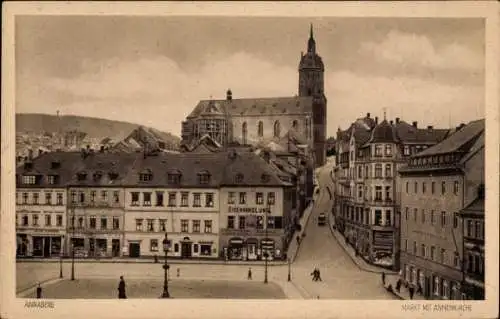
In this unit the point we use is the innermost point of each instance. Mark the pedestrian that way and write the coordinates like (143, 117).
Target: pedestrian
(121, 289)
(318, 275)
(314, 274)
(178, 272)
(419, 288)
(298, 239)
(412, 291)
(398, 285)
(383, 278)
(249, 274)
(38, 291)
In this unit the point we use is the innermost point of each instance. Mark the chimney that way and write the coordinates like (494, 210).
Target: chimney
(397, 120)
(415, 124)
(368, 115)
(229, 95)
(376, 119)
(30, 154)
(430, 127)
(40, 152)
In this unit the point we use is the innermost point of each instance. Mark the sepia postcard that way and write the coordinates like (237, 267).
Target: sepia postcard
(250, 160)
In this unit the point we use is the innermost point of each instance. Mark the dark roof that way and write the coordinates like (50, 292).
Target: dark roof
(460, 141)
(311, 60)
(68, 164)
(383, 133)
(256, 106)
(475, 208)
(410, 134)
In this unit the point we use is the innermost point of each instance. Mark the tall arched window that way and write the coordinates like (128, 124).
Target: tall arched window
(260, 129)
(277, 129)
(295, 124)
(244, 133)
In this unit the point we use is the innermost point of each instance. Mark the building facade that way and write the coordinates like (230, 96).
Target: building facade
(250, 121)
(436, 184)
(41, 204)
(367, 185)
(473, 247)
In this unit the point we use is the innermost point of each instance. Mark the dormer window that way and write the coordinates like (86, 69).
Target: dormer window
(146, 176)
(29, 180)
(52, 179)
(174, 177)
(81, 176)
(265, 178)
(97, 176)
(55, 165)
(204, 178)
(113, 175)
(238, 178)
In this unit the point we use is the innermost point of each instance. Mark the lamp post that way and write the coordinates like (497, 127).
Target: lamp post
(61, 257)
(289, 270)
(166, 267)
(72, 241)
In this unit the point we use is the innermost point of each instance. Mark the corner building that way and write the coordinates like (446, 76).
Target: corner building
(256, 215)
(41, 197)
(250, 121)
(437, 183)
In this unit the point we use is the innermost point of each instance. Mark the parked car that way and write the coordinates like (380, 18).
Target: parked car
(322, 219)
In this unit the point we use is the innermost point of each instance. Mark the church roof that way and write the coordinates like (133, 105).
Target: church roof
(257, 106)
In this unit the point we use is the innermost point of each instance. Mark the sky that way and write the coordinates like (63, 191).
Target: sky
(153, 70)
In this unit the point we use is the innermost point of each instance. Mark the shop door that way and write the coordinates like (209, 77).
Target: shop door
(115, 247)
(252, 251)
(186, 250)
(134, 250)
(37, 246)
(46, 247)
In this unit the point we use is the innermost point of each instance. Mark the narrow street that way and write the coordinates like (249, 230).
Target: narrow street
(342, 279)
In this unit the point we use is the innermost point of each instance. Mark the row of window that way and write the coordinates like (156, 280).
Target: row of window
(276, 129)
(33, 179)
(172, 199)
(474, 262)
(432, 219)
(432, 253)
(440, 286)
(34, 199)
(456, 187)
(436, 159)
(93, 197)
(254, 222)
(259, 198)
(162, 225)
(35, 220)
(92, 222)
(474, 229)
(379, 151)
(202, 249)
(358, 215)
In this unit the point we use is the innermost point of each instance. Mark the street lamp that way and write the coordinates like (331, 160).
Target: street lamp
(166, 267)
(61, 257)
(72, 240)
(289, 270)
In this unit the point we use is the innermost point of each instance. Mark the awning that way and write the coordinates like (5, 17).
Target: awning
(237, 241)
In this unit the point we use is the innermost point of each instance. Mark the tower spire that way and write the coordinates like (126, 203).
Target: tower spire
(311, 44)
(311, 33)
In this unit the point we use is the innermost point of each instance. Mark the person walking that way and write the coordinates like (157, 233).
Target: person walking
(383, 278)
(314, 274)
(412, 291)
(249, 277)
(121, 289)
(318, 275)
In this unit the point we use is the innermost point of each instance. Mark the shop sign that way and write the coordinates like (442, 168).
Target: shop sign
(251, 210)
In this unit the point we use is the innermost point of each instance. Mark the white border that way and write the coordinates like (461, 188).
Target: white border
(11, 307)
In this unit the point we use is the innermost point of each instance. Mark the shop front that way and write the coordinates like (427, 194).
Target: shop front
(22, 247)
(235, 249)
(252, 248)
(47, 246)
(267, 246)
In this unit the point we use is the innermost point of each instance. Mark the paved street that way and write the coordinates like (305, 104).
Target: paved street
(152, 288)
(342, 279)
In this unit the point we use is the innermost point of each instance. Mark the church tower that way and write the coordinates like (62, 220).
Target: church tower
(311, 83)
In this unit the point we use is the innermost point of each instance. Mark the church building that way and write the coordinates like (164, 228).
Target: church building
(255, 121)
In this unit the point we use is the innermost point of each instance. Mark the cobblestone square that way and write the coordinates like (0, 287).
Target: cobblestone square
(152, 288)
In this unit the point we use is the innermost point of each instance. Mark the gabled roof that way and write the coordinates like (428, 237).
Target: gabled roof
(257, 106)
(408, 133)
(460, 141)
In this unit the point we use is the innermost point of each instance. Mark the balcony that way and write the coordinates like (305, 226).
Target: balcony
(95, 204)
(381, 202)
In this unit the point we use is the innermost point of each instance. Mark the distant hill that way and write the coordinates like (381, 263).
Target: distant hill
(94, 127)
